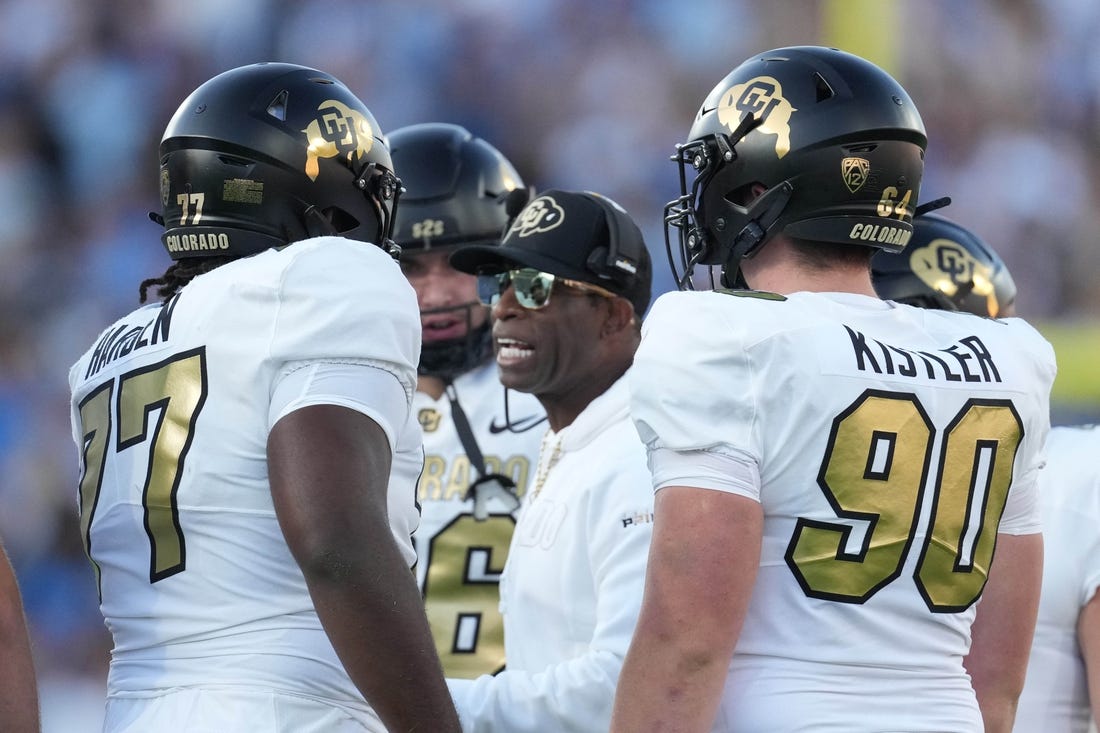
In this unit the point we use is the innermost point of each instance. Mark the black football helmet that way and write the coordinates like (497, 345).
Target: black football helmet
(268, 154)
(459, 190)
(947, 267)
(836, 143)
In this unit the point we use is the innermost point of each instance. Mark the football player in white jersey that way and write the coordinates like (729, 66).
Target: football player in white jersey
(479, 458)
(18, 691)
(1062, 691)
(568, 286)
(949, 266)
(248, 450)
(833, 471)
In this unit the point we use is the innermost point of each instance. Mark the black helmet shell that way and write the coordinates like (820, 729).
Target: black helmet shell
(948, 267)
(835, 142)
(457, 187)
(267, 154)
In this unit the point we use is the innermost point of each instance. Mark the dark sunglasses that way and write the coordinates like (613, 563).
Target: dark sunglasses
(532, 287)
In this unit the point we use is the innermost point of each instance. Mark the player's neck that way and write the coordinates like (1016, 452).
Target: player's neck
(832, 281)
(777, 268)
(563, 405)
(431, 386)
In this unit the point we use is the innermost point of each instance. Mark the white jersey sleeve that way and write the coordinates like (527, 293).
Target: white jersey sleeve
(686, 377)
(365, 321)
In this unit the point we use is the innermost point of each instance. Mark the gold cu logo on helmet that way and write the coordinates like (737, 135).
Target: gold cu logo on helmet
(541, 215)
(762, 97)
(854, 172)
(338, 130)
(948, 268)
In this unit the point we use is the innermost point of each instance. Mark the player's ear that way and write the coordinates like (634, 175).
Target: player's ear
(620, 316)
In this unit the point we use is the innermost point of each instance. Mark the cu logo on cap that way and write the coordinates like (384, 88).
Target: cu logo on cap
(541, 215)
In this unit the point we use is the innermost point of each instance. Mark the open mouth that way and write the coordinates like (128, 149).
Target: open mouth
(512, 351)
(443, 328)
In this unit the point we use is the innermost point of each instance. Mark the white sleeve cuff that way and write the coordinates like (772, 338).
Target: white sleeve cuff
(728, 470)
(366, 388)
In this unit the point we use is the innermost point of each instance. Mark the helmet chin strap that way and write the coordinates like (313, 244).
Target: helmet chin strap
(753, 235)
(487, 485)
(515, 427)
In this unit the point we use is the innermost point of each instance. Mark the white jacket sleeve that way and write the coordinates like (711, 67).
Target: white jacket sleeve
(577, 695)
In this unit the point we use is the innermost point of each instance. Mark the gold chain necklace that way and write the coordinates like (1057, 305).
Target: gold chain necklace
(544, 466)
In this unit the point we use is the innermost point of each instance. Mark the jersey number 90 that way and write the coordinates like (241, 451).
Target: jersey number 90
(875, 471)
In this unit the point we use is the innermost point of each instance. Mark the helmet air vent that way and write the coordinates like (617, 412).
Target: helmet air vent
(277, 108)
(824, 91)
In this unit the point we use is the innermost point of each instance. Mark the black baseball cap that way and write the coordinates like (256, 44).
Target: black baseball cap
(578, 235)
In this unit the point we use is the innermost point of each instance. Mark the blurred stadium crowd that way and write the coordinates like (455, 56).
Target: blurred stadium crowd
(578, 94)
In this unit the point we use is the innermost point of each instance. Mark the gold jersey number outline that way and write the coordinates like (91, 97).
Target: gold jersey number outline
(875, 470)
(176, 390)
(463, 610)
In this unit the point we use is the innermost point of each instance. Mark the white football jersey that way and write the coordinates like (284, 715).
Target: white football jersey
(460, 556)
(1055, 697)
(887, 439)
(170, 414)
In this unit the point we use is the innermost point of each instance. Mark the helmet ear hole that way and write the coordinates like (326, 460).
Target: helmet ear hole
(341, 220)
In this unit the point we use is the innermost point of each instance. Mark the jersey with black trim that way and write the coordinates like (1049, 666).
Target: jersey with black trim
(460, 557)
(892, 443)
(1056, 697)
(170, 413)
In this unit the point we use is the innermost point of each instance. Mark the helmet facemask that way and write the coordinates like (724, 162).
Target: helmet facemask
(450, 358)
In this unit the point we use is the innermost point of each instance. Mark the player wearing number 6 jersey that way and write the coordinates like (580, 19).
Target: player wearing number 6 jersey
(846, 504)
(248, 447)
(478, 460)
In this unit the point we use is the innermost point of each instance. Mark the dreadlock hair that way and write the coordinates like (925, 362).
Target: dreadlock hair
(179, 274)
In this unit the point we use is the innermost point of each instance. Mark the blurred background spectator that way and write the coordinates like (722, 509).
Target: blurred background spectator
(578, 94)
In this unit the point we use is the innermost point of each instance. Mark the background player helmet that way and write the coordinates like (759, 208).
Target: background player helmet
(835, 141)
(268, 154)
(946, 267)
(459, 189)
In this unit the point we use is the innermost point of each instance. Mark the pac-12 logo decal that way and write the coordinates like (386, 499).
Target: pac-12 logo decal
(337, 130)
(541, 215)
(762, 97)
(854, 172)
